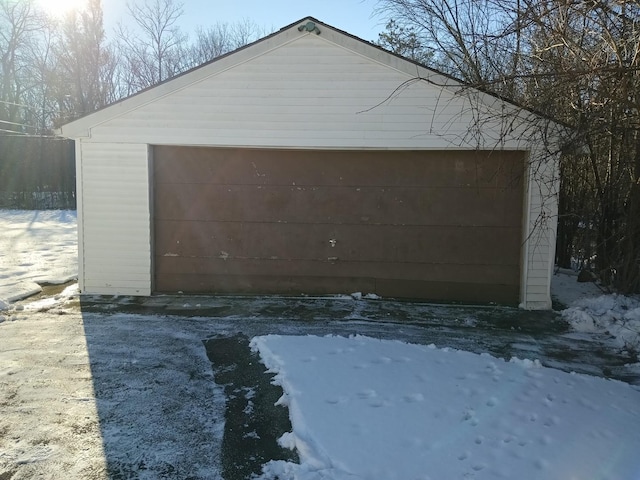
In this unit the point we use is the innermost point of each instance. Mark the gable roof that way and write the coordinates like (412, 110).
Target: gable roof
(79, 127)
(154, 101)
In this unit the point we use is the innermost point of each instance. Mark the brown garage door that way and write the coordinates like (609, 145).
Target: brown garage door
(429, 225)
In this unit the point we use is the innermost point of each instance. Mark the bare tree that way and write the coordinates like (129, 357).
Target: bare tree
(473, 40)
(38, 96)
(19, 24)
(222, 38)
(154, 54)
(591, 52)
(578, 62)
(404, 41)
(83, 63)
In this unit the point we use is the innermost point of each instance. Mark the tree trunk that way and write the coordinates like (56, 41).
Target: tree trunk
(628, 280)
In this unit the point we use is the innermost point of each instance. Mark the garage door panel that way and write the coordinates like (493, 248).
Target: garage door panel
(448, 291)
(337, 168)
(362, 243)
(283, 284)
(375, 205)
(444, 291)
(268, 284)
(498, 274)
(433, 225)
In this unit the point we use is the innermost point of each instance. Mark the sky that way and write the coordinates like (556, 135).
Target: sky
(356, 17)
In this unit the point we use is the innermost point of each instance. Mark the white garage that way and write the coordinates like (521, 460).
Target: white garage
(313, 162)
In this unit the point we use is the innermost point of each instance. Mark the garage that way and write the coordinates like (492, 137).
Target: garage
(312, 162)
(429, 225)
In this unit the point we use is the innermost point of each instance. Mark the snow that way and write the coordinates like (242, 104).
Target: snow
(615, 315)
(363, 408)
(103, 395)
(566, 289)
(36, 248)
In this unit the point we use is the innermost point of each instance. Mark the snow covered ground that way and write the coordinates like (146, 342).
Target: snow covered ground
(372, 409)
(116, 395)
(616, 315)
(36, 247)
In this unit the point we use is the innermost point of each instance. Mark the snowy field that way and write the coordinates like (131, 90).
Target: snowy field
(115, 395)
(36, 248)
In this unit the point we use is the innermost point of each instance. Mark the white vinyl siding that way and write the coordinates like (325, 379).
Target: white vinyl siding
(540, 233)
(305, 94)
(115, 219)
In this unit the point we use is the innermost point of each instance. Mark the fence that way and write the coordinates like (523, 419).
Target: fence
(37, 173)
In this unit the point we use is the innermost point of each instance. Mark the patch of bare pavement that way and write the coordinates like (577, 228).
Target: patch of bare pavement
(166, 387)
(253, 421)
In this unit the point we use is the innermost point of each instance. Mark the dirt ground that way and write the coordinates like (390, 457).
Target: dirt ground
(123, 388)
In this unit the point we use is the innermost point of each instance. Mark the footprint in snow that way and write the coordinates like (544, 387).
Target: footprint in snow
(468, 414)
(379, 402)
(382, 361)
(492, 368)
(545, 440)
(552, 421)
(367, 394)
(336, 400)
(414, 398)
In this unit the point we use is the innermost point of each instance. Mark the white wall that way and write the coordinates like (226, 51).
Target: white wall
(307, 93)
(114, 219)
(540, 229)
